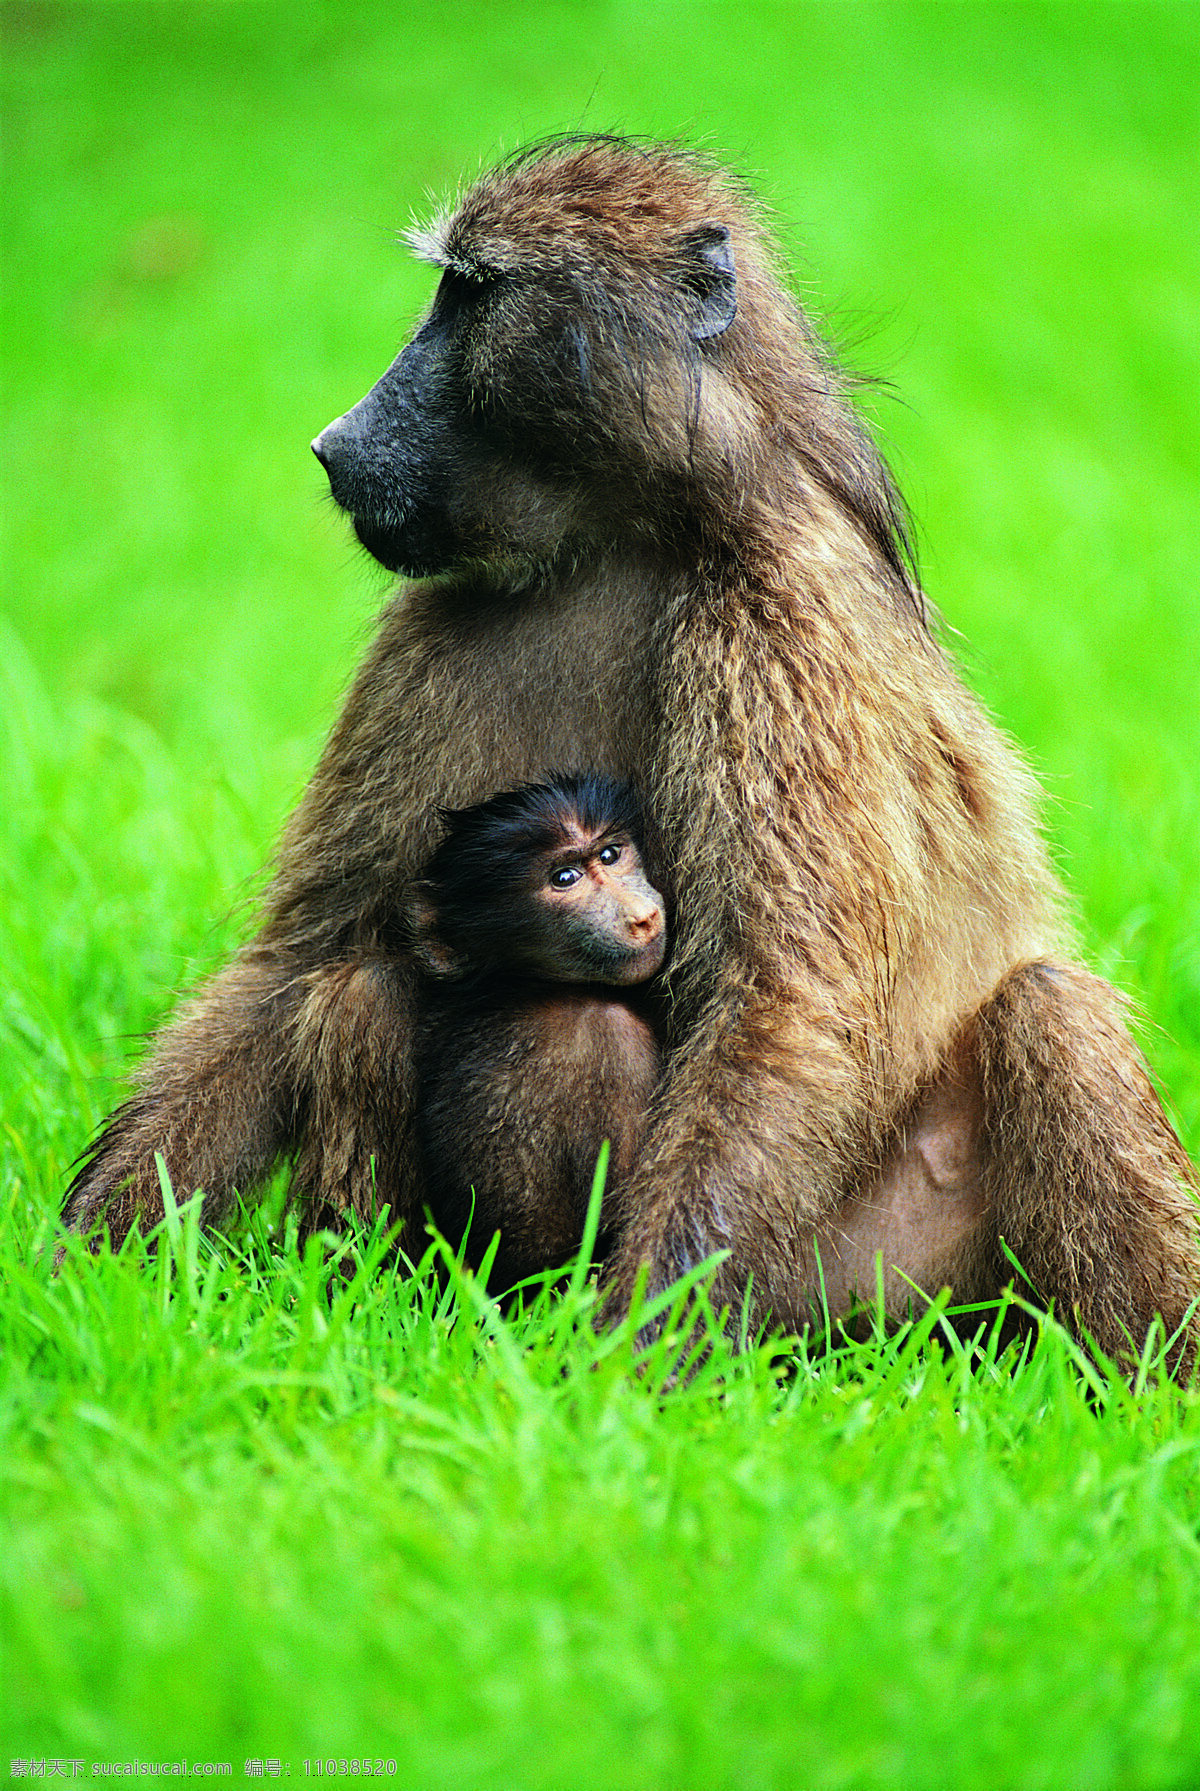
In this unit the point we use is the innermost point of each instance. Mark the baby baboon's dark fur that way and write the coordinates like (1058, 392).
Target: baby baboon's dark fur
(535, 1040)
(650, 536)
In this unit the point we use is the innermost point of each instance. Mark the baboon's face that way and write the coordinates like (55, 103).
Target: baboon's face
(551, 386)
(405, 461)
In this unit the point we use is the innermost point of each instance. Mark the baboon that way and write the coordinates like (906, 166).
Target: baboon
(649, 535)
(535, 1040)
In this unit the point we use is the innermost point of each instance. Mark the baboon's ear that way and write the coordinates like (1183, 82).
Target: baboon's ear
(711, 277)
(434, 957)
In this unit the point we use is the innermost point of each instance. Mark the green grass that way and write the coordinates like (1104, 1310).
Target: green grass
(317, 1516)
(248, 1516)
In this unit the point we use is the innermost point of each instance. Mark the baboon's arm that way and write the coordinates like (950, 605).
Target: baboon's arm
(269, 1059)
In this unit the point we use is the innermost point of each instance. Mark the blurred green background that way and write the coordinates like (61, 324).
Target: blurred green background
(995, 206)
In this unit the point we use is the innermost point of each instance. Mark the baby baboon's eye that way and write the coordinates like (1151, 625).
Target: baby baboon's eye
(565, 876)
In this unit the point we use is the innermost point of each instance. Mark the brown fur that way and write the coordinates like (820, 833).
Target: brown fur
(665, 548)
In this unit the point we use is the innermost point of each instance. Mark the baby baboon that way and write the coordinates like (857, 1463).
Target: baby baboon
(650, 536)
(538, 926)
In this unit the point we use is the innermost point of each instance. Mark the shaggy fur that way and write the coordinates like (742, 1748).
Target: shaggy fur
(656, 541)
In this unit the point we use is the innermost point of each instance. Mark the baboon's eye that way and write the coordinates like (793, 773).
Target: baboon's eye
(460, 289)
(708, 271)
(565, 876)
(609, 854)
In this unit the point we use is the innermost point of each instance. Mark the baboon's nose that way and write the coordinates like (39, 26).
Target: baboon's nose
(645, 926)
(326, 446)
(338, 447)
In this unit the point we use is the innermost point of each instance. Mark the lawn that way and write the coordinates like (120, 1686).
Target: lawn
(259, 1509)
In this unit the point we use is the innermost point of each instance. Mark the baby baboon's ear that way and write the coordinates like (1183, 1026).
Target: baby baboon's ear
(710, 276)
(431, 952)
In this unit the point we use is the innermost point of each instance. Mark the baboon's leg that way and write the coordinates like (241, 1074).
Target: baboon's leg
(1046, 1134)
(217, 1101)
(1087, 1183)
(266, 1060)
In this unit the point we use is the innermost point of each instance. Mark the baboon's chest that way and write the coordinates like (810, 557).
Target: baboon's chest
(563, 684)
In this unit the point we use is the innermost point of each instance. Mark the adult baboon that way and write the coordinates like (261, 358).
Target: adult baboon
(651, 537)
(535, 1036)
